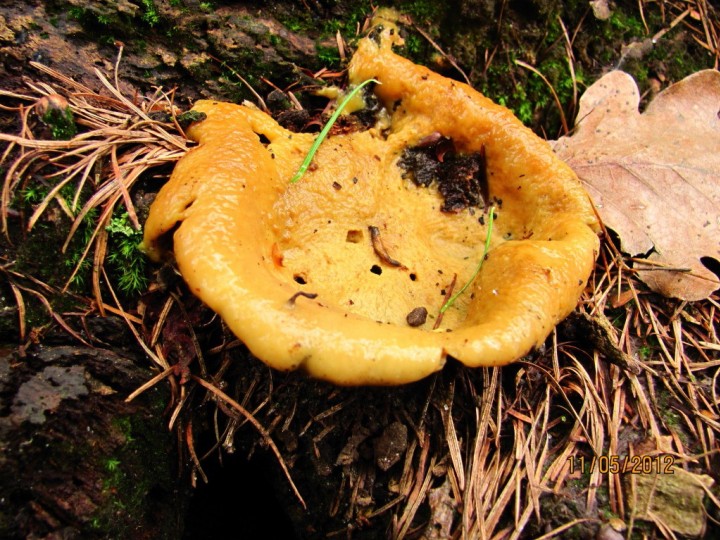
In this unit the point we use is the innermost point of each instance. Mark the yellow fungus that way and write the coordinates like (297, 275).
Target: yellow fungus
(247, 241)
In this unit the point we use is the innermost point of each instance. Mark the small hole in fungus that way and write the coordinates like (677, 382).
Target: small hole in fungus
(375, 269)
(354, 236)
(299, 278)
(413, 277)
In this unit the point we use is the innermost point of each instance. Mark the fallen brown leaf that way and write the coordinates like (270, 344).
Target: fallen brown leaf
(673, 498)
(655, 177)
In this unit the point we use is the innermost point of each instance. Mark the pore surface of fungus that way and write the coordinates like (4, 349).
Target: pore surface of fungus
(343, 272)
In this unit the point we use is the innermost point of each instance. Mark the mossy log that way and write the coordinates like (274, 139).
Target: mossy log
(77, 460)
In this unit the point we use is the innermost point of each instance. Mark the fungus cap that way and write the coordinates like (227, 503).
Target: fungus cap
(323, 273)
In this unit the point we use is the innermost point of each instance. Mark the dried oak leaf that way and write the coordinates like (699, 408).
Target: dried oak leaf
(655, 177)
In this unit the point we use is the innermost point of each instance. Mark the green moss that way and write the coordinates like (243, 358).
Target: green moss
(112, 465)
(93, 16)
(622, 24)
(133, 471)
(34, 254)
(530, 96)
(413, 44)
(294, 24)
(679, 58)
(328, 56)
(61, 123)
(125, 426)
(128, 265)
(422, 11)
(140, 45)
(523, 91)
(77, 12)
(275, 40)
(671, 419)
(150, 13)
(346, 20)
(74, 253)
(231, 84)
(597, 47)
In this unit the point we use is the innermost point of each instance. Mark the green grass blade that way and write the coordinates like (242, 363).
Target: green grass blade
(451, 300)
(321, 137)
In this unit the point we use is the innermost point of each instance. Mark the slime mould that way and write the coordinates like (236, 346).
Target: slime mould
(343, 273)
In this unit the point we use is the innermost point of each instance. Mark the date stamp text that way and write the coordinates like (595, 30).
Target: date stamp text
(614, 464)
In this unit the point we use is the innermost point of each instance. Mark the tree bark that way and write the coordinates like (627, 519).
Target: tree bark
(77, 460)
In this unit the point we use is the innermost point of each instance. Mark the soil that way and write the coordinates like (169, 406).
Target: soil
(80, 462)
(461, 178)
